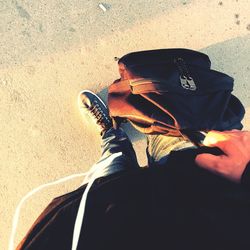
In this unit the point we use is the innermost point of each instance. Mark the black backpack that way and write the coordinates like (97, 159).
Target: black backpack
(173, 92)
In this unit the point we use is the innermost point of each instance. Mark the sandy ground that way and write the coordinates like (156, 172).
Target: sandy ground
(50, 50)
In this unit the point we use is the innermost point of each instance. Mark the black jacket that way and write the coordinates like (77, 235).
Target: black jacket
(176, 206)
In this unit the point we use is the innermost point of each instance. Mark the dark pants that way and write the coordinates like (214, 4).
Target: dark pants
(116, 141)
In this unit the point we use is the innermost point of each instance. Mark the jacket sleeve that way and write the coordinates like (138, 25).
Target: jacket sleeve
(245, 179)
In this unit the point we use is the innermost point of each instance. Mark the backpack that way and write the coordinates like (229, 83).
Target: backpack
(173, 92)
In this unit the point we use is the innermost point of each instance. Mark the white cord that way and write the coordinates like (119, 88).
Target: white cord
(101, 169)
(17, 211)
(96, 171)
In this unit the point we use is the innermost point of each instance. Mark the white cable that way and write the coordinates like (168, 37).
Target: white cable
(93, 173)
(101, 169)
(80, 215)
(17, 211)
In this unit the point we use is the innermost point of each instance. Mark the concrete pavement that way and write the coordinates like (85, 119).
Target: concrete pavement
(50, 50)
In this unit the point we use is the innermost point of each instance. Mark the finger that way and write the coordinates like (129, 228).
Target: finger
(221, 165)
(232, 145)
(213, 137)
(210, 162)
(229, 147)
(236, 130)
(207, 160)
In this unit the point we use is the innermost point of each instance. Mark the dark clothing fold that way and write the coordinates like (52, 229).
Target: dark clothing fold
(174, 206)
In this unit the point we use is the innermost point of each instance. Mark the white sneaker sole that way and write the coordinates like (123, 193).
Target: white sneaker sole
(80, 105)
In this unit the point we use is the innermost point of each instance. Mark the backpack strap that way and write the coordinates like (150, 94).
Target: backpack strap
(143, 86)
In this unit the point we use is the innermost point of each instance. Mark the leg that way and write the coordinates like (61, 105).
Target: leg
(117, 151)
(117, 155)
(116, 140)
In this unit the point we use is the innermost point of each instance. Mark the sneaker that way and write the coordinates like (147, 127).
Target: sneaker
(91, 104)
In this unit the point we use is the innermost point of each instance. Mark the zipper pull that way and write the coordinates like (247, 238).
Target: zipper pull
(187, 82)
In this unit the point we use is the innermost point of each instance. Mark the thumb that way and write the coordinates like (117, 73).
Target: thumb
(208, 161)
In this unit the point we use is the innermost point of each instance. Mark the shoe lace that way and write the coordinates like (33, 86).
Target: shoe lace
(101, 117)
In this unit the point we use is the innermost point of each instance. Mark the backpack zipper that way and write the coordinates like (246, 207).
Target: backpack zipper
(187, 82)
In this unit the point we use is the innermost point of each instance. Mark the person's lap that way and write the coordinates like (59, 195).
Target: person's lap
(158, 148)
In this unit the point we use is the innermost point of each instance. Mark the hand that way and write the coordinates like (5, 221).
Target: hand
(236, 147)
